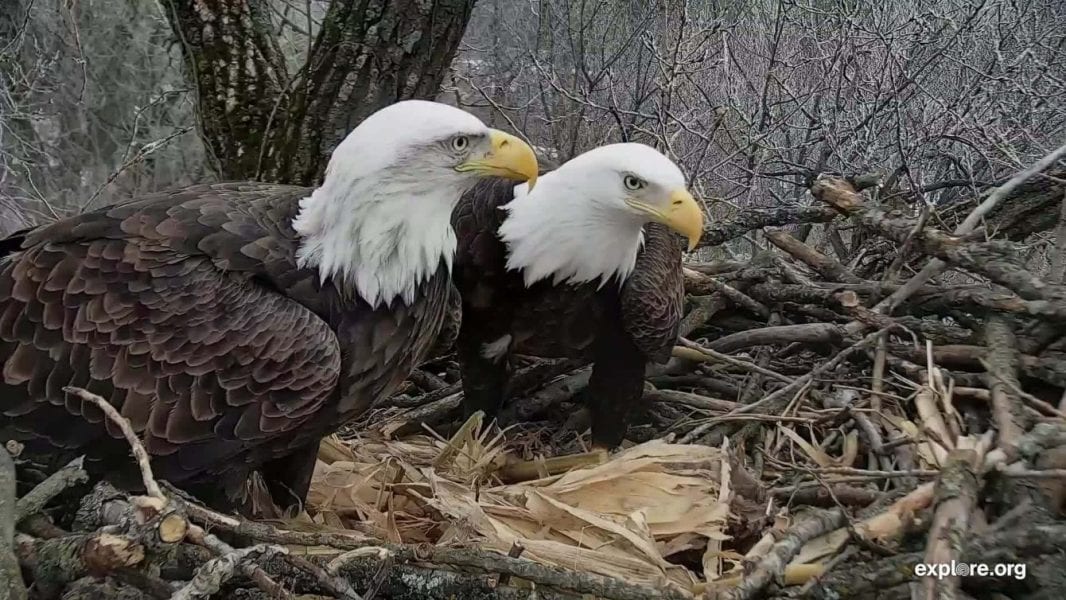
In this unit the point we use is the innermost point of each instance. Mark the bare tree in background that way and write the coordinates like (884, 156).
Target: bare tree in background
(931, 101)
(260, 121)
(93, 105)
(100, 100)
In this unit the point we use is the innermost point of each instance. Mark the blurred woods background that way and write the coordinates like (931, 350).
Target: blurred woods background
(931, 101)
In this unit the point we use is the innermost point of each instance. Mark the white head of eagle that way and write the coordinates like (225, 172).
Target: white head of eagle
(584, 221)
(380, 222)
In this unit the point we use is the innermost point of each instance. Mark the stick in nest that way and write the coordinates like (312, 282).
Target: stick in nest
(1031, 400)
(194, 534)
(198, 536)
(10, 573)
(698, 352)
(773, 564)
(151, 486)
(210, 577)
(265, 533)
(791, 388)
(34, 501)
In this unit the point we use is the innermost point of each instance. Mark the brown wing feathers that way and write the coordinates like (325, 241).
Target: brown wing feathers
(153, 306)
(653, 296)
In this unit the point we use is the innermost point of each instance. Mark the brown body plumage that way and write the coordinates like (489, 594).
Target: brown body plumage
(619, 328)
(188, 312)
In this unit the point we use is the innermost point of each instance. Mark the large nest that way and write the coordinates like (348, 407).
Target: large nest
(826, 425)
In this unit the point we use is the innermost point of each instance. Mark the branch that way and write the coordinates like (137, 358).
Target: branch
(750, 219)
(772, 566)
(210, 577)
(826, 266)
(151, 486)
(10, 574)
(1003, 357)
(956, 493)
(56, 483)
(990, 260)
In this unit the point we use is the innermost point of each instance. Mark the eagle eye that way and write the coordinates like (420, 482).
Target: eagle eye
(460, 143)
(633, 182)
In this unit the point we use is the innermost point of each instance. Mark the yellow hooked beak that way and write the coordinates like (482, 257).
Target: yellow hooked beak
(509, 157)
(682, 214)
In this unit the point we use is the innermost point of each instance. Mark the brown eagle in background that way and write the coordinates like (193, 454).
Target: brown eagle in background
(236, 324)
(582, 266)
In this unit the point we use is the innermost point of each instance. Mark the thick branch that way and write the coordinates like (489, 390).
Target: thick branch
(773, 564)
(715, 233)
(826, 266)
(956, 493)
(991, 260)
(10, 575)
(1003, 356)
(1031, 208)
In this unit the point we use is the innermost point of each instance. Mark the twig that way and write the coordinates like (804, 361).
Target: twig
(338, 562)
(816, 493)
(35, 500)
(986, 259)
(151, 486)
(264, 532)
(484, 562)
(717, 232)
(826, 266)
(738, 297)
(703, 309)
(792, 387)
(725, 358)
(926, 473)
(210, 577)
(773, 564)
(198, 536)
(1020, 473)
(193, 533)
(557, 391)
(377, 580)
(516, 551)
(807, 333)
(1038, 404)
(145, 151)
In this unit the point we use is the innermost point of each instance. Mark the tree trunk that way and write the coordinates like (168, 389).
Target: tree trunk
(261, 123)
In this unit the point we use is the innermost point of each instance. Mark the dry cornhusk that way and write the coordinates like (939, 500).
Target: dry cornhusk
(624, 517)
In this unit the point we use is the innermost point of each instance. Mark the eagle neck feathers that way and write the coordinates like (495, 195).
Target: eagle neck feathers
(378, 240)
(549, 235)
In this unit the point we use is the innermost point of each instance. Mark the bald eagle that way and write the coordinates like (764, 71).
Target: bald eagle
(236, 324)
(584, 265)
